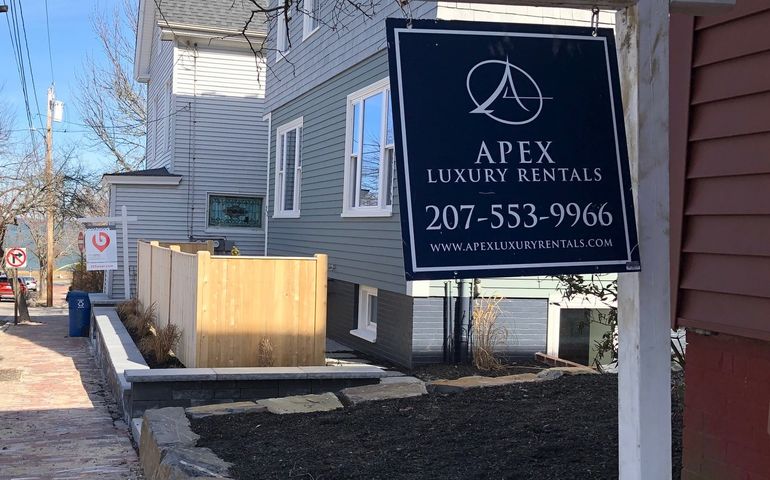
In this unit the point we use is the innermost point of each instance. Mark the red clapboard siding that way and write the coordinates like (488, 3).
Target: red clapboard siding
(739, 315)
(730, 117)
(740, 195)
(743, 155)
(731, 78)
(743, 8)
(734, 39)
(741, 235)
(720, 171)
(733, 274)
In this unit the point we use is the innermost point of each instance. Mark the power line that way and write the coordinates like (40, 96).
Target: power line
(13, 33)
(29, 61)
(48, 31)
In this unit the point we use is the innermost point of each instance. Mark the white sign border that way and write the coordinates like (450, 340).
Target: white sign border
(415, 268)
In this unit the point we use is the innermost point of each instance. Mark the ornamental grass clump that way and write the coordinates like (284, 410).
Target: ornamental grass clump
(265, 353)
(139, 323)
(160, 342)
(487, 335)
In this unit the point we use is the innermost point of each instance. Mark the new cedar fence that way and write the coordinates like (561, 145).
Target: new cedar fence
(227, 306)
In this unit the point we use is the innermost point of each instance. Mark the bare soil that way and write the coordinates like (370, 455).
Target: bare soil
(563, 429)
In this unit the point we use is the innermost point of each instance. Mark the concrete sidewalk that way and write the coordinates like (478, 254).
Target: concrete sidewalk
(56, 419)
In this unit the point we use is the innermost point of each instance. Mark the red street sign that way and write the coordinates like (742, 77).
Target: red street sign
(81, 242)
(16, 257)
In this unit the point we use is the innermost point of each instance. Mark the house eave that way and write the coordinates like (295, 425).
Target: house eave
(142, 51)
(182, 32)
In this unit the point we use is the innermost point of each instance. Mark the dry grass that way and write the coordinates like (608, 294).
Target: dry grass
(160, 342)
(129, 307)
(140, 322)
(265, 353)
(487, 334)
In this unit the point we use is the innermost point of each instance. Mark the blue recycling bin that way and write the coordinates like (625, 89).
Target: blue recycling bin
(80, 313)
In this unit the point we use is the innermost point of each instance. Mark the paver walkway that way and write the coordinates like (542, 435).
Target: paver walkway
(56, 419)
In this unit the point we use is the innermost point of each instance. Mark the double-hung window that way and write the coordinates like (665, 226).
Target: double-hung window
(282, 35)
(288, 169)
(311, 17)
(370, 155)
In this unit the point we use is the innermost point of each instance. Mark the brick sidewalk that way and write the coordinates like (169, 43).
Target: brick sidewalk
(56, 419)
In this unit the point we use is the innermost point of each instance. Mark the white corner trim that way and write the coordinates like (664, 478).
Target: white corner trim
(418, 288)
(141, 180)
(365, 334)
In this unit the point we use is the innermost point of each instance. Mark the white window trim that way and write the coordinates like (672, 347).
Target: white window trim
(157, 127)
(169, 110)
(280, 177)
(281, 37)
(219, 229)
(366, 330)
(307, 20)
(347, 210)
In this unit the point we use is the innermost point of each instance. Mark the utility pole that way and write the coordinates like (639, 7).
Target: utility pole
(49, 198)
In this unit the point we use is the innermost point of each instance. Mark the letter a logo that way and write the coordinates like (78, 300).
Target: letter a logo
(506, 103)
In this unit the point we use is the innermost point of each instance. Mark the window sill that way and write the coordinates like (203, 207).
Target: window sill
(286, 215)
(232, 230)
(307, 35)
(365, 334)
(364, 213)
(281, 55)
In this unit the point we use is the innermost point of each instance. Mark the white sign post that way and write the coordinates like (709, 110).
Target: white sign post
(124, 220)
(101, 249)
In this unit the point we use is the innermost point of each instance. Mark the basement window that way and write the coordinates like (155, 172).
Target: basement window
(366, 314)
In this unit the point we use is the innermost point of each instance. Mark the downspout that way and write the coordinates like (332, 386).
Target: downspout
(462, 307)
(269, 118)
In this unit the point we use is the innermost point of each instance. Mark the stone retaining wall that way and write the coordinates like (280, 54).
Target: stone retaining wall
(192, 387)
(114, 352)
(137, 388)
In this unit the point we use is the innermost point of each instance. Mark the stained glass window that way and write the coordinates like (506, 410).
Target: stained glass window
(235, 211)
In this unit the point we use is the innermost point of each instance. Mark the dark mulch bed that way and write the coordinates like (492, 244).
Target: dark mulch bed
(563, 429)
(451, 372)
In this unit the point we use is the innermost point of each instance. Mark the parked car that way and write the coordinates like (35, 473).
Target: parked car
(6, 291)
(30, 283)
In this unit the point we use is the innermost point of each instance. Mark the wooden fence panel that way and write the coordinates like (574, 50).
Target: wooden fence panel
(183, 303)
(161, 283)
(225, 306)
(143, 275)
(249, 299)
(191, 247)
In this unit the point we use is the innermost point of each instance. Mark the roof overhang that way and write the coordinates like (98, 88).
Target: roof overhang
(143, 49)
(146, 180)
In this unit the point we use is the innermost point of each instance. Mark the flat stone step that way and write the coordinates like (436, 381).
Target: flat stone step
(575, 370)
(382, 391)
(476, 381)
(224, 409)
(323, 402)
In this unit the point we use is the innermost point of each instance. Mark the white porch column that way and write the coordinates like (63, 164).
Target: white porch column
(643, 299)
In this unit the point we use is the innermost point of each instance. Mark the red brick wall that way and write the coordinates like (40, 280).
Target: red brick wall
(727, 408)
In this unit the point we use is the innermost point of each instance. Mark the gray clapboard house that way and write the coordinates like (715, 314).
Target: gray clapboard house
(205, 175)
(332, 188)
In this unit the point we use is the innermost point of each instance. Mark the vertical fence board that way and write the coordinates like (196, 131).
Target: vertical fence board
(183, 303)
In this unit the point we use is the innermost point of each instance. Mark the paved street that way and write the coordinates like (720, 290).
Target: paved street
(55, 417)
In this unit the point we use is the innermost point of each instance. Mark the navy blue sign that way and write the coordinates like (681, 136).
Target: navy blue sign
(512, 156)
